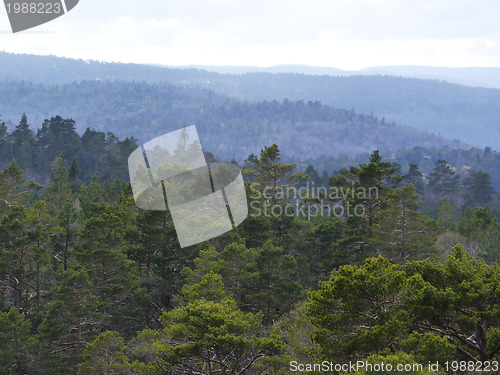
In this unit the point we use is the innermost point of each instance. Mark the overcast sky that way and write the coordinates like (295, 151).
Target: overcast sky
(346, 34)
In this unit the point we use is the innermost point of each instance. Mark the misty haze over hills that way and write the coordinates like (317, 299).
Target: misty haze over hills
(473, 76)
(460, 113)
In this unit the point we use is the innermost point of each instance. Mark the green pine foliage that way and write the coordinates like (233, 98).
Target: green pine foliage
(107, 354)
(93, 284)
(38, 152)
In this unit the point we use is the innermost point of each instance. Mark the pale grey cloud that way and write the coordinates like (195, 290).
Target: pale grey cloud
(341, 33)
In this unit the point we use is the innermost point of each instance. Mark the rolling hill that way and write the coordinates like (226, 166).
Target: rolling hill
(469, 114)
(228, 127)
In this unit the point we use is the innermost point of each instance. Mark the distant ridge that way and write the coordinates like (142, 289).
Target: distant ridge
(229, 128)
(457, 112)
(473, 76)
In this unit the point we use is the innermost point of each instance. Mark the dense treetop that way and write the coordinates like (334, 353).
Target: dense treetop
(93, 284)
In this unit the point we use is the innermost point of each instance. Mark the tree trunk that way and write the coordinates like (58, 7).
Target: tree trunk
(79, 326)
(37, 283)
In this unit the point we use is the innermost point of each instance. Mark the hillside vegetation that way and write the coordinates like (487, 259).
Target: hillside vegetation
(469, 114)
(228, 127)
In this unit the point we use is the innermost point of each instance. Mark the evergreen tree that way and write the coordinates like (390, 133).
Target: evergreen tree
(259, 279)
(59, 192)
(93, 148)
(64, 239)
(14, 241)
(23, 143)
(362, 191)
(276, 289)
(457, 301)
(106, 355)
(207, 334)
(443, 180)
(476, 220)
(25, 258)
(366, 187)
(321, 253)
(415, 177)
(39, 276)
(58, 136)
(353, 315)
(71, 322)
(368, 313)
(402, 232)
(479, 190)
(92, 193)
(446, 216)
(237, 266)
(114, 277)
(6, 148)
(481, 225)
(159, 257)
(271, 172)
(13, 189)
(73, 173)
(17, 346)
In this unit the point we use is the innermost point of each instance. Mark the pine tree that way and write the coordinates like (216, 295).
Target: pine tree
(443, 180)
(13, 189)
(237, 266)
(59, 192)
(71, 322)
(23, 143)
(64, 239)
(446, 217)
(271, 172)
(481, 225)
(479, 189)
(58, 136)
(206, 334)
(415, 177)
(17, 346)
(40, 227)
(402, 232)
(374, 312)
(92, 193)
(6, 147)
(362, 191)
(73, 173)
(114, 277)
(159, 258)
(275, 290)
(25, 258)
(355, 312)
(14, 241)
(106, 355)
(454, 301)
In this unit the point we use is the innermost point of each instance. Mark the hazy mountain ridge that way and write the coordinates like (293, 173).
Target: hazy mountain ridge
(471, 76)
(36, 69)
(454, 111)
(458, 112)
(228, 127)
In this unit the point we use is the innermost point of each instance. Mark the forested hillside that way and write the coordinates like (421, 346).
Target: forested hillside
(229, 128)
(91, 284)
(461, 160)
(104, 155)
(367, 242)
(469, 114)
(36, 151)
